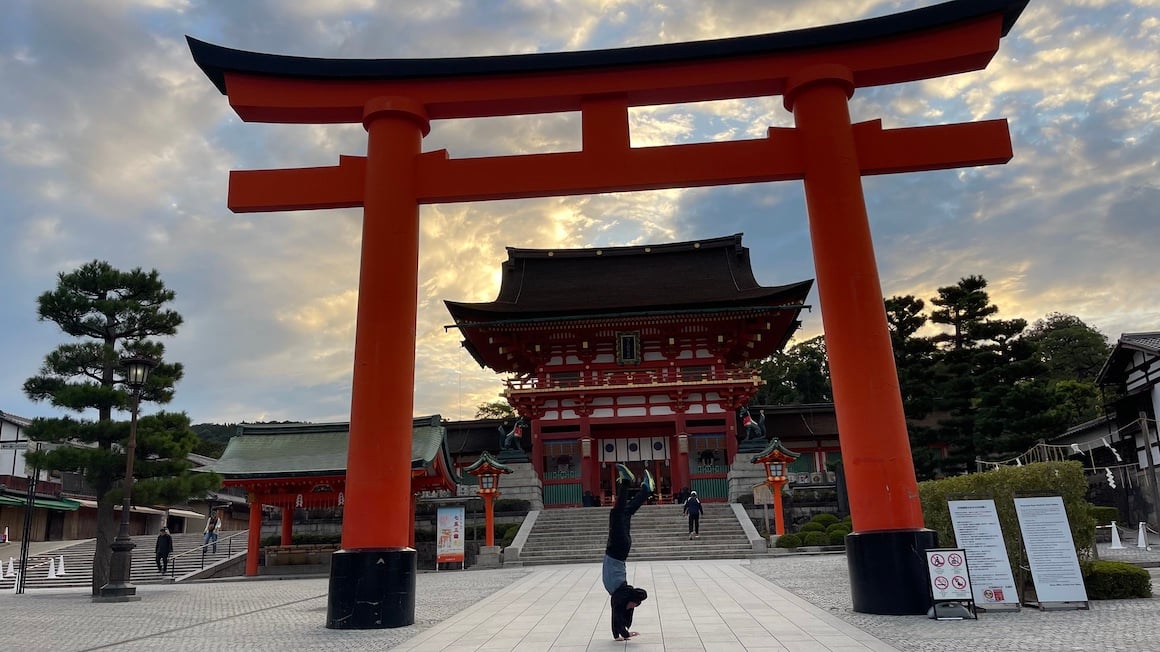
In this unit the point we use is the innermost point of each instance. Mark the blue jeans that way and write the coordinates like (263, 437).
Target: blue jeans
(210, 537)
(614, 574)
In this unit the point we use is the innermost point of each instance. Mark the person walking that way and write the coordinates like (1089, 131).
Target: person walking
(162, 549)
(693, 509)
(210, 534)
(624, 597)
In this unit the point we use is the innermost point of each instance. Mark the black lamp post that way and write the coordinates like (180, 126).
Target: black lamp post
(119, 588)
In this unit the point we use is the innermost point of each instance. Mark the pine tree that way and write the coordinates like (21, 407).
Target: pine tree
(113, 314)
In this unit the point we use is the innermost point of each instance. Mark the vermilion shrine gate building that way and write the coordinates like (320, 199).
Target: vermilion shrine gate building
(631, 354)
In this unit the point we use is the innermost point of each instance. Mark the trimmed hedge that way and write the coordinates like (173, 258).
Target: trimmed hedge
(788, 541)
(1063, 478)
(1105, 515)
(302, 539)
(837, 537)
(816, 539)
(845, 529)
(811, 527)
(826, 520)
(1113, 580)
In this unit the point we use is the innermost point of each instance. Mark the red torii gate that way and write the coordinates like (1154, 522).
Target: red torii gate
(815, 70)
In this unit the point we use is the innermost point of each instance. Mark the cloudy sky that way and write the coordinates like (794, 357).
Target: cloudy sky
(114, 146)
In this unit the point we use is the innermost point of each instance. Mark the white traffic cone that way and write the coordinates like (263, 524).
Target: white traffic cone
(60, 567)
(11, 568)
(51, 568)
(1142, 537)
(1116, 544)
(15, 582)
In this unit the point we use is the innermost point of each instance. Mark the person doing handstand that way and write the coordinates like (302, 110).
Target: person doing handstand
(624, 597)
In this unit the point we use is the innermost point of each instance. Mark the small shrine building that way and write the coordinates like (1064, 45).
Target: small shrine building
(634, 355)
(303, 465)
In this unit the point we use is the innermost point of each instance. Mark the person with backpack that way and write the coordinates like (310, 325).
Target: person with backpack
(693, 509)
(210, 534)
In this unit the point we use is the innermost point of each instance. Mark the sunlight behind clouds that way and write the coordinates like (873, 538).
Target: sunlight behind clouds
(117, 147)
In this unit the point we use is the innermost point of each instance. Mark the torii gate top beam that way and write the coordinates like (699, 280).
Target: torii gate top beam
(943, 39)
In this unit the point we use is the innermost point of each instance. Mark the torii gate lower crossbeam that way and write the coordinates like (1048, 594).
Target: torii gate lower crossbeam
(372, 578)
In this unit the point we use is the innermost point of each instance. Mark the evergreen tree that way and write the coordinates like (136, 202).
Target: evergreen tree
(495, 410)
(800, 374)
(1069, 348)
(114, 313)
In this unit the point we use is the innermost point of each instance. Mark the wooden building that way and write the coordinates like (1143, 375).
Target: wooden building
(630, 354)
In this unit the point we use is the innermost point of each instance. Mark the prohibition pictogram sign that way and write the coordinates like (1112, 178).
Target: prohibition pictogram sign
(937, 560)
(940, 583)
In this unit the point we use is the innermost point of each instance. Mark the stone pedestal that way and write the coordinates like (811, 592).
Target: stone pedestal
(743, 475)
(488, 557)
(522, 484)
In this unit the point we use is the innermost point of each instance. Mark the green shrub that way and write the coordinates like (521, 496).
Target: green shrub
(1113, 580)
(509, 535)
(303, 539)
(1063, 478)
(1105, 515)
(789, 541)
(838, 527)
(816, 539)
(837, 537)
(811, 527)
(825, 520)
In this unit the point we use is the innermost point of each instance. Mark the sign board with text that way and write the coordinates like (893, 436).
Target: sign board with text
(1051, 552)
(977, 530)
(449, 535)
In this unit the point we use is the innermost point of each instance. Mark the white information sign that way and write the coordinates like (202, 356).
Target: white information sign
(948, 574)
(977, 530)
(1050, 549)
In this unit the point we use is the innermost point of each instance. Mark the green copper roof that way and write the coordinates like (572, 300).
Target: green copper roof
(774, 445)
(290, 449)
(486, 458)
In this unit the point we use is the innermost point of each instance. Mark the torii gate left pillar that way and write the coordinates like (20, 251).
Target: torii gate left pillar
(372, 581)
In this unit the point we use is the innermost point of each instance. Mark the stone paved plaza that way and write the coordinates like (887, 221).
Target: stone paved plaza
(798, 602)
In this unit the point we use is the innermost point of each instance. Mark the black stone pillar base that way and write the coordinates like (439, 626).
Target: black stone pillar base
(888, 571)
(372, 588)
(119, 588)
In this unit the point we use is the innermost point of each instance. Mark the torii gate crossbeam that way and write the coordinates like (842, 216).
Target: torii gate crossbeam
(815, 70)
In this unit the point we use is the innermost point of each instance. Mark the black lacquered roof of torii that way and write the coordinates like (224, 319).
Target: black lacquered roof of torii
(217, 61)
(540, 286)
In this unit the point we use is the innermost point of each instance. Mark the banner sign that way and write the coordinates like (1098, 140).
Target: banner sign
(449, 535)
(977, 530)
(1050, 549)
(949, 580)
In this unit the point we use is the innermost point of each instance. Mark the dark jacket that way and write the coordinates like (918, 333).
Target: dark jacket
(164, 545)
(693, 506)
(621, 614)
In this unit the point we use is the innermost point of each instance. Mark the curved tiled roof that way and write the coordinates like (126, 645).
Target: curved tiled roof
(303, 449)
(705, 274)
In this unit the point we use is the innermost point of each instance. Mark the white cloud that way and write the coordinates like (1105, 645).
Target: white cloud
(117, 147)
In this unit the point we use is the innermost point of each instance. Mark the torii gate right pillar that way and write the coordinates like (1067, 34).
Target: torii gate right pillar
(884, 554)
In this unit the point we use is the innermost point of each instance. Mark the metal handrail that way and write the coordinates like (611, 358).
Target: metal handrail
(228, 541)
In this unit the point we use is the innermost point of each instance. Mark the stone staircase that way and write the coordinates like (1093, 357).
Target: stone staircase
(659, 532)
(78, 561)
